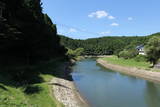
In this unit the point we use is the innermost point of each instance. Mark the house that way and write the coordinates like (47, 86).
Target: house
(2, 7)
(141, 50)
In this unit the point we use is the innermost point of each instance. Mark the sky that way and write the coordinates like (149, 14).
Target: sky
(82, 19)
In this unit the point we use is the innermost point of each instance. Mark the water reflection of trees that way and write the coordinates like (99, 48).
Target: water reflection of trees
(152, 94)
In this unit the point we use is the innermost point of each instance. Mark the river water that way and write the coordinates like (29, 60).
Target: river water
(106, 88)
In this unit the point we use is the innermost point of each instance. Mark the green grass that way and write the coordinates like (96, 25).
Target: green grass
(15, 96)
(127, 62)
(45, 97)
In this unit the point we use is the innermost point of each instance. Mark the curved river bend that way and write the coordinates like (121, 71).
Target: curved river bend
(106, 88)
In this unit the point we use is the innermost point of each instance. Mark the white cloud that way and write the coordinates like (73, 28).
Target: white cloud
(114, 24)
(98, 14)
(111, 17)
(105, 33)
(72, 30)
(130, 18)
(101, 14)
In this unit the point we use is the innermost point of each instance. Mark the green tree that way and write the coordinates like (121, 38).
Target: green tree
(79, 51)
(75, 53)
(153, 49)
(127, 54)
(104, 45)
(35, 6)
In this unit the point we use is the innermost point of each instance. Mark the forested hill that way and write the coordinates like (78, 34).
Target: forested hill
(105, 45)
(26, 34)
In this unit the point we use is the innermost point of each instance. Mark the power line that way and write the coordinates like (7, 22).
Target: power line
(78, 29)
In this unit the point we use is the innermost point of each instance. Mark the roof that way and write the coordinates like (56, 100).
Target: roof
(140, 47)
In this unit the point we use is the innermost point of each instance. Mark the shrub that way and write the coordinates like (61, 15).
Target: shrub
(140, 58)
(127, 54)
(74, 53)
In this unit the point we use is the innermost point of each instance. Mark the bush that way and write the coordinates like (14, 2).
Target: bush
(123, 54)
(140, 58)
(127, 54)
(74, 53)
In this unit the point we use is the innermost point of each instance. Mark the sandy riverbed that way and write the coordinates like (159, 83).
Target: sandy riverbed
(148, 75)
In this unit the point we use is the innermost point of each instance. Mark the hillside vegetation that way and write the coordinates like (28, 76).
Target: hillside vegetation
(30, 55)
(27, 36)
(104, 45)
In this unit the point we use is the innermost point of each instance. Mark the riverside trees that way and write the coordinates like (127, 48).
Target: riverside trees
(29, 34)
(27, 38)
(124, 47)
(153, 49)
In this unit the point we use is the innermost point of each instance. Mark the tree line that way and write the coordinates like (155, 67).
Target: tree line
(104, 45)
(123, 46)
(27, 35)
(28, 38)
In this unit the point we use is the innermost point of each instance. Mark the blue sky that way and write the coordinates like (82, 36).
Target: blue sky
(83, 19)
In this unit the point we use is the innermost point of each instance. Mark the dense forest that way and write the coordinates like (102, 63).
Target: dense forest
(104, 45)
(30, 54)
(27, 36)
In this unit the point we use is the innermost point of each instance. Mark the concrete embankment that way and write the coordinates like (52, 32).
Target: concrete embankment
(65, 91)
(148, 75)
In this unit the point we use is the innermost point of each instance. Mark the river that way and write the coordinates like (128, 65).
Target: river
(101, 87)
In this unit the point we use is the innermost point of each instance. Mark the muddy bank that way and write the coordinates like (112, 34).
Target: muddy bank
(148, 75)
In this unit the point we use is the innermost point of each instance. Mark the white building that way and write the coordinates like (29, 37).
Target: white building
(141, 50)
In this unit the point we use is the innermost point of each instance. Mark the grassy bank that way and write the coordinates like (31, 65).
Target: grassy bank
(34, 94)
(127, 62)
(131, 71)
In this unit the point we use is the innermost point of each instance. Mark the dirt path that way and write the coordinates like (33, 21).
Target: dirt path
(148, 75)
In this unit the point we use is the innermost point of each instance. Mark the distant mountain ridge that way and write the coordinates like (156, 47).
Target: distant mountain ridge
(105, 45)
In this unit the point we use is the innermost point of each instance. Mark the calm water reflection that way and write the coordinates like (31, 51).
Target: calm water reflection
(106, 88)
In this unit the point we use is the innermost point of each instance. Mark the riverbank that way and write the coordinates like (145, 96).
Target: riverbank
(65, 91)
(132, 71)
(39, 93)
(96, 56)
(36, 93)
